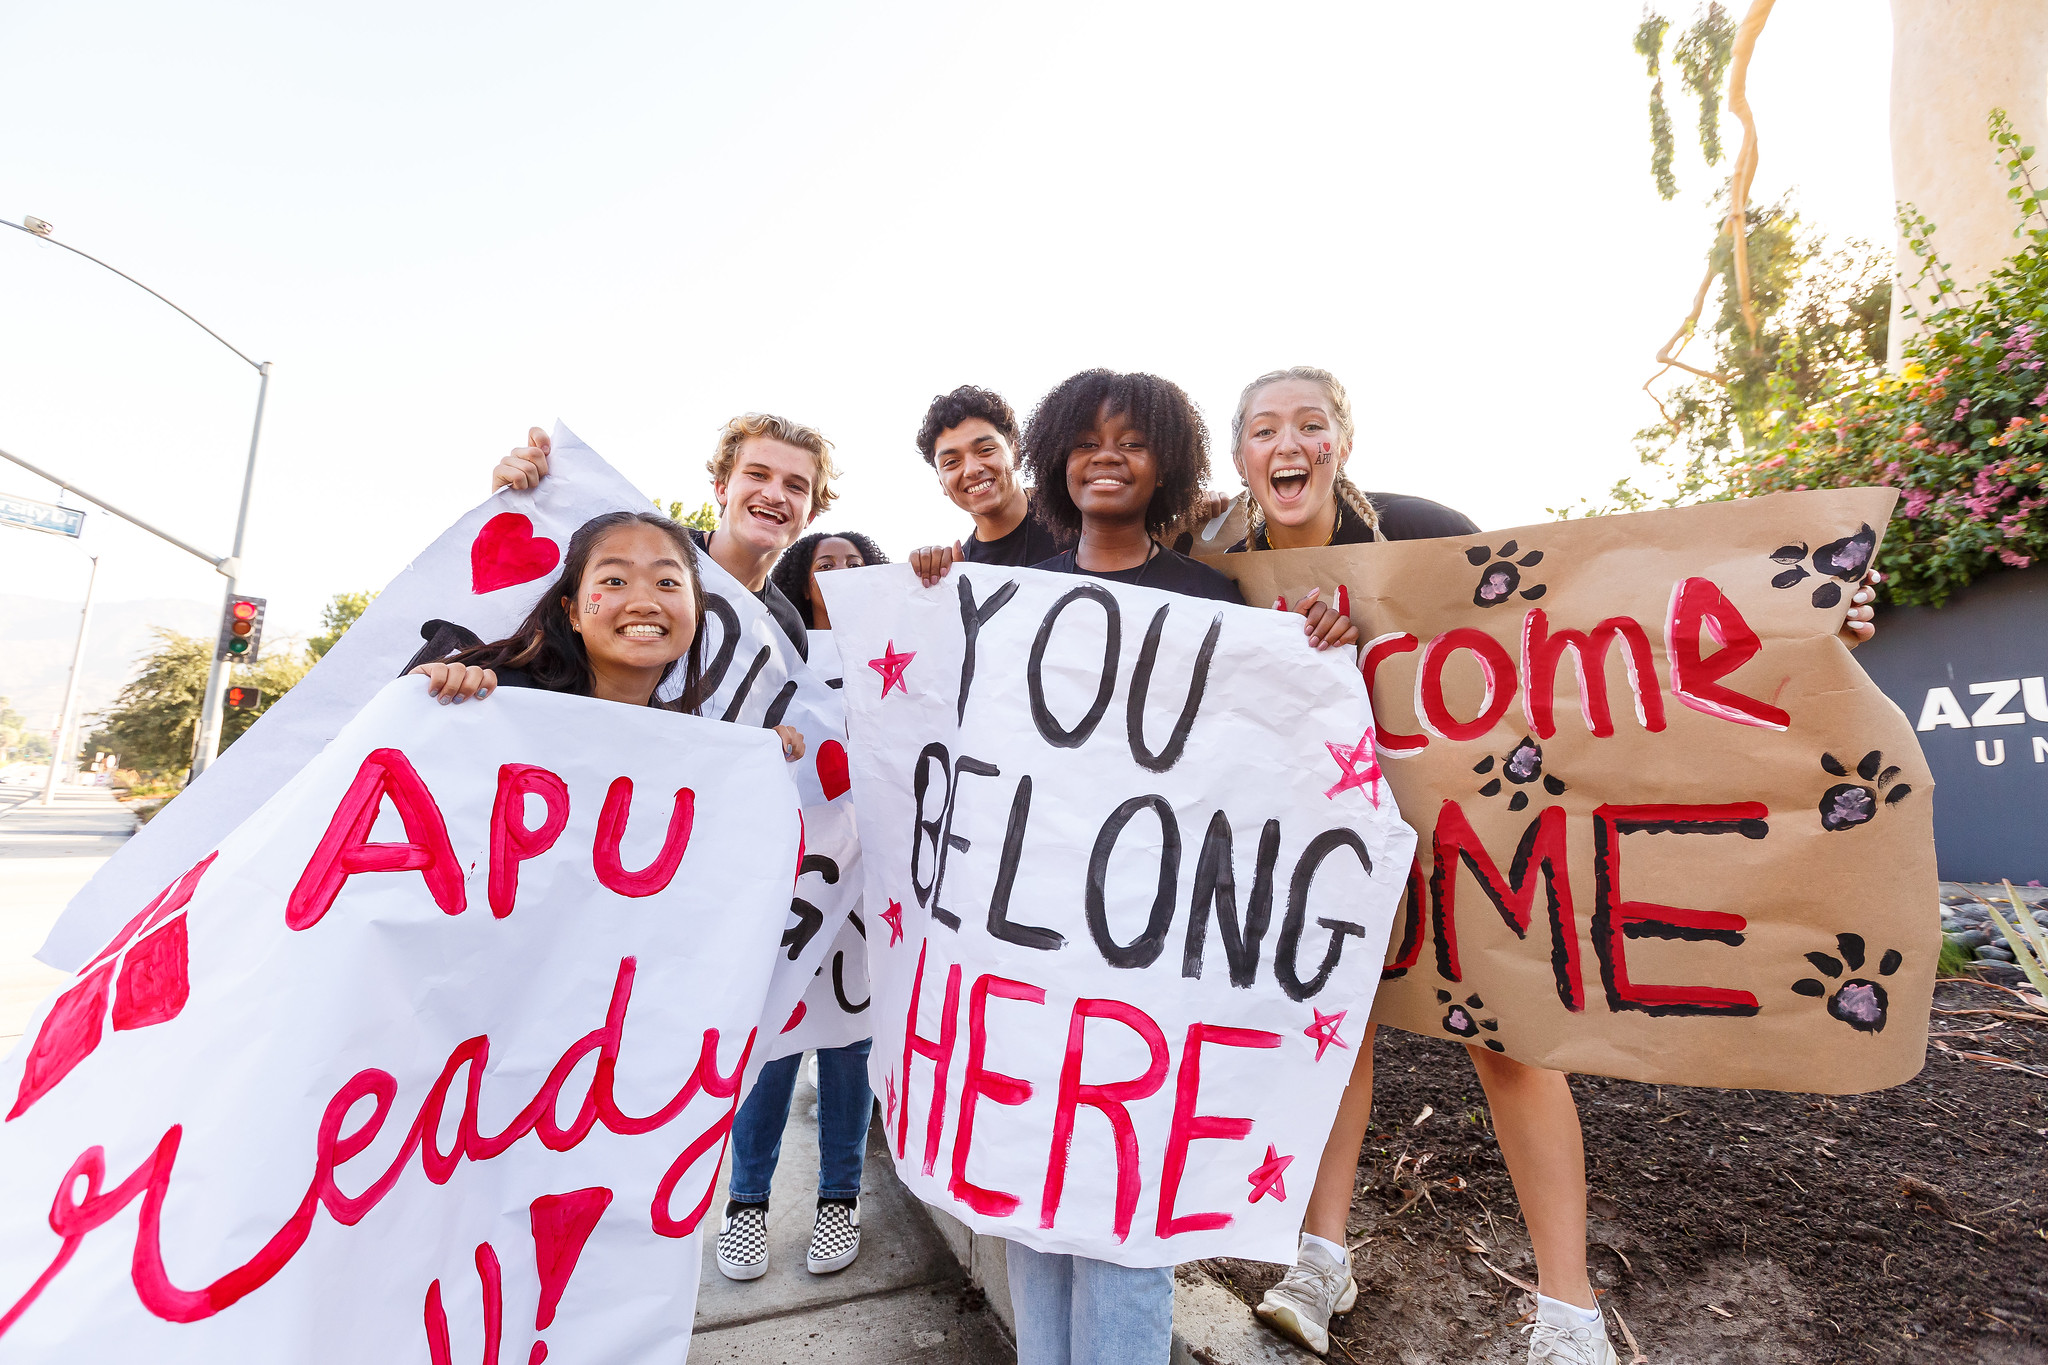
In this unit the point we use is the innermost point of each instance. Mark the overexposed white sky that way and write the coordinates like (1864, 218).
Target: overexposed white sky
(443, 223)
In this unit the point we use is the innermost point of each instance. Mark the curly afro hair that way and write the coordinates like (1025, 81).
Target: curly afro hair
(949, 410)
(1173, 428)
(792, 572)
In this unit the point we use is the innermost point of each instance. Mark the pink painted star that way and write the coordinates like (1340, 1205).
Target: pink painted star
(893, 917)
(796, 1016)
(1266, 1179)
(1324, 1031)
(889, 1089)
(891, 666)
(1359, 766)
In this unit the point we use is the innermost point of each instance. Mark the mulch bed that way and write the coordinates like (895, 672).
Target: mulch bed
(1750, 1226)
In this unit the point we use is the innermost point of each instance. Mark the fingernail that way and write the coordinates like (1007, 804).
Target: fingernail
(1279, 604)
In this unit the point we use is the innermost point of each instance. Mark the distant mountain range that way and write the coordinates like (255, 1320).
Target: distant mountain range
(37, 635)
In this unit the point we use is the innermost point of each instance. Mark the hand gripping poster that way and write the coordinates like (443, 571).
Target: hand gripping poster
(474, 584)
(433, 1058)
(1130, 873)
(1670, 830)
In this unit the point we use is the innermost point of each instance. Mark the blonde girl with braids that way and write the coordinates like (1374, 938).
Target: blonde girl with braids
(1292, 439)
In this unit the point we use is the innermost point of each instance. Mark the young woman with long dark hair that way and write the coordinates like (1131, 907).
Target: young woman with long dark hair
(796, 573)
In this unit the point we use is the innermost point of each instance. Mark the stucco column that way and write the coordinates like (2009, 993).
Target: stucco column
(1953, 62)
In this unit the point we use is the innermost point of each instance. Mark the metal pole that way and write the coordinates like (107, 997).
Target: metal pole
(59, 748)
(217, 676)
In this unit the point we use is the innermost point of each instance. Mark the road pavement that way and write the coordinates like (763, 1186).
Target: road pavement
(46, 854)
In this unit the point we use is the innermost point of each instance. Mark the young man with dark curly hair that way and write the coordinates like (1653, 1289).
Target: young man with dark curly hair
(969, 438)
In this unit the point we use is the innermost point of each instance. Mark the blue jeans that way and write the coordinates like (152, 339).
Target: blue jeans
(1075, 1311)
(845, 1104)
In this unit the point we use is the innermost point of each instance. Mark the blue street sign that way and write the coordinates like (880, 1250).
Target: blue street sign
(40, 516)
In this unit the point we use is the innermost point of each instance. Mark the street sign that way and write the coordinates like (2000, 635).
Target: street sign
(31, 515)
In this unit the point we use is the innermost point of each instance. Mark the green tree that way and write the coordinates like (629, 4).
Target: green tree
(343, 610)
(705, 518)
(153, 723)
(12, 726)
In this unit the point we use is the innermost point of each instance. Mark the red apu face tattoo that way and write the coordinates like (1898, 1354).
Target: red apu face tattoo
(590, 607)
(1324, 456)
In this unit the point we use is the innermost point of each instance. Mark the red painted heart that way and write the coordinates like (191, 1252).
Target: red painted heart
(507, 551)
(832, 774)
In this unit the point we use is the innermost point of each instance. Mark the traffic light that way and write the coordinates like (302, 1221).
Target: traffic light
(241, 631)
(245, 698)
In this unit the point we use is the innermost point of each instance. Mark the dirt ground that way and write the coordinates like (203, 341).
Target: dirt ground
(1727, 1226)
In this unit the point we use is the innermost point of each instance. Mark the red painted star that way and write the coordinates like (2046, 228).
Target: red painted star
(891, 666)
(1359, 766)
(893, 917)
(889, 1089)
(1266, 1179)
(1324, 1031)
(796, 1016)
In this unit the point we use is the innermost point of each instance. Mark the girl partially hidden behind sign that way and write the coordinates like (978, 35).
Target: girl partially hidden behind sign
(1291, 438)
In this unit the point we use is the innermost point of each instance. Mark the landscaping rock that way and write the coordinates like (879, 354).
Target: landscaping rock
(1997, 951)
(1971, 938)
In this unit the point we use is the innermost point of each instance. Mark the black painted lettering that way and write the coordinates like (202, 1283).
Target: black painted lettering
(999, 923)
(949, 842)
(732, 708)
(1048, 725)
(1216, 884)
(779, 708)
(1143, 950)
(729, 640)
(923, 829)
(972, 619)
(1141, 684)
(1286, 956)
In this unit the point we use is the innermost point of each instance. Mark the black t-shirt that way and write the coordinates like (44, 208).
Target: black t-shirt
(779, 606)
(1029, 544)
(1167, 570)
(1401, 518)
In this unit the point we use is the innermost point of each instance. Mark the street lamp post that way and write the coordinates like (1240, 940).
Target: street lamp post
(229, 567)
(58, 747)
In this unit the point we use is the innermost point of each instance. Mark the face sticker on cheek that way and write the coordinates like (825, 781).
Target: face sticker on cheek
(590, 607)
(1324, 457)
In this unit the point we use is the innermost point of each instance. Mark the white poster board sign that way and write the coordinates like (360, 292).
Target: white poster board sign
(435, 1056)
(1130, 875)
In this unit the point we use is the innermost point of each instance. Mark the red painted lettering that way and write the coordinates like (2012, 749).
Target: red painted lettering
(976, 1081)
(1376, 652)
(1542, 650)
(611, 828)
(941, 1054)
(1109, 1099)
(345, 849)
(1615, 919)
(1696, 605)
(512, 843)
(1188, 1126)
(1494, 664)
(1542, 850)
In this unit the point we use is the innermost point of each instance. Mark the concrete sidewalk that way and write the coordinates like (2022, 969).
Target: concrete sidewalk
(904, 1299)
(46, 854)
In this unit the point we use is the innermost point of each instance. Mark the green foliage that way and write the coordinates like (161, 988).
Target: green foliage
(1650, 46)
(705, 518)
(153, 724)
(1960, 429)
(13, 725)
(1702, 54)
(2028, 941)
(343, 610)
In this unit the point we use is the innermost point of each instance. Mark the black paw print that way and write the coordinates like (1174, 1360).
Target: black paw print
(1849, 804)
(1847, 559)
(1521, 765)
(1858, 1003)
(1465, 1023)
(1499, 579)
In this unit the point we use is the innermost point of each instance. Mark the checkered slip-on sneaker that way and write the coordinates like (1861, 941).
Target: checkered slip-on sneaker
(835, 1237)
(743, 1241)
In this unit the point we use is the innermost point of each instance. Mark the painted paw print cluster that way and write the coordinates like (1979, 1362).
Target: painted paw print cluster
(1860, 1003)
(1849, 804)
(1500, 573)
(1464, 1020)
(1519, 767)
(1839, 561)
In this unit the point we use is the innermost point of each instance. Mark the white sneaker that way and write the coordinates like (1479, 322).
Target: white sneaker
(835, 1236)
(743, 1241)
(1581, 1344)
(1317, 1286)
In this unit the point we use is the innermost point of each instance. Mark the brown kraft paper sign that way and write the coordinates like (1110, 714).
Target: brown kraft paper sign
(1669, 830)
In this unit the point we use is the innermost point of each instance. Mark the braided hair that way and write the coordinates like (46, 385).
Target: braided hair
(792, 572)
(1173, 428)
(1340, 412)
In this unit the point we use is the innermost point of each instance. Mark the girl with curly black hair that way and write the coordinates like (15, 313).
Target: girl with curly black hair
(796, 573)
